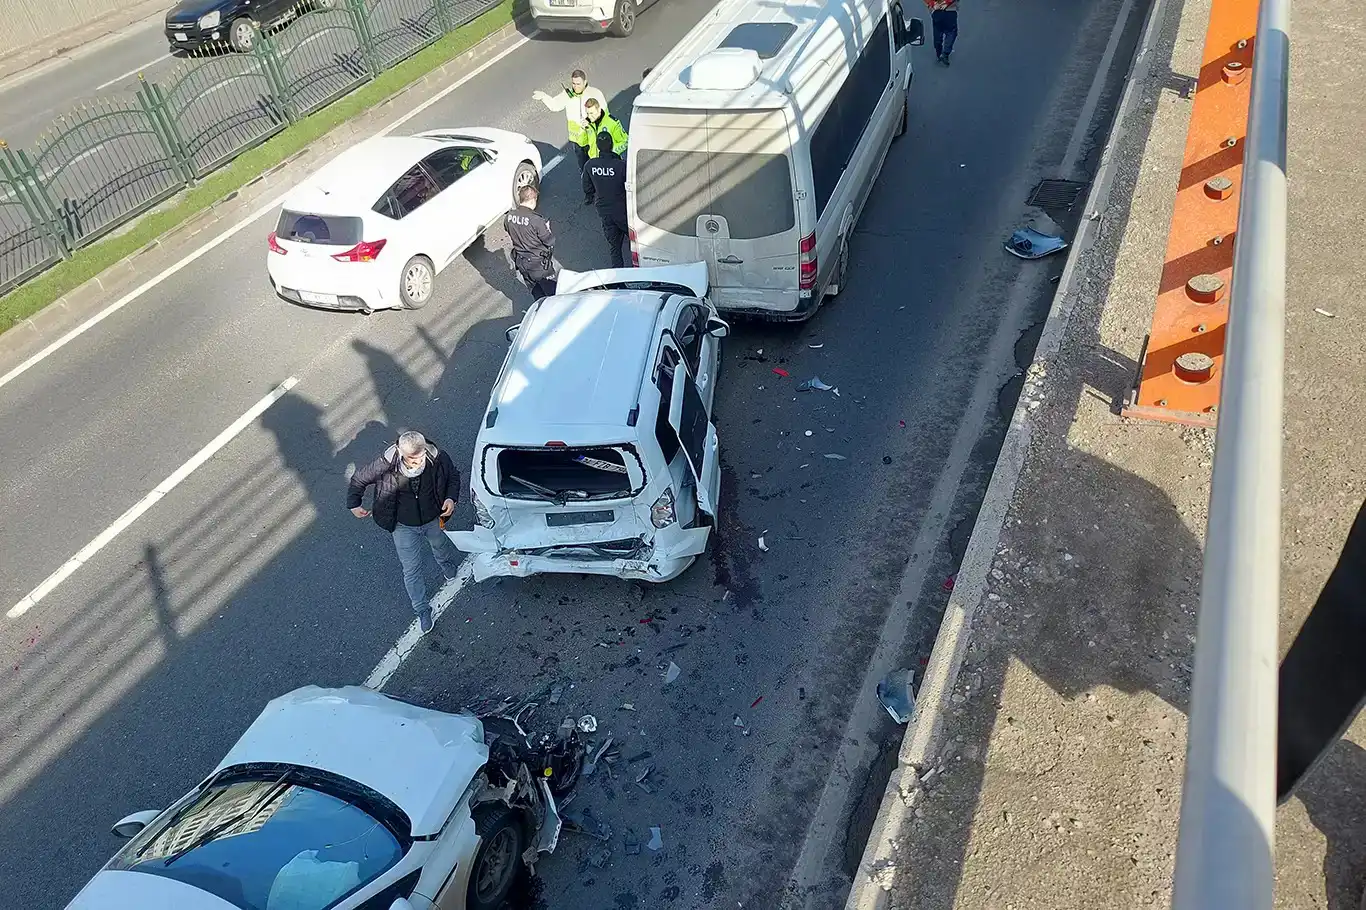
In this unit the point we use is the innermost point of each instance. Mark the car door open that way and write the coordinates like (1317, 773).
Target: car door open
(689, 419)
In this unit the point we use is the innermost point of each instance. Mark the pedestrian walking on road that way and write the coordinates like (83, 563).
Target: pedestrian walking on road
(605, 177)
(533, 244)
(572, 101)
(944, 21)
(416, 489)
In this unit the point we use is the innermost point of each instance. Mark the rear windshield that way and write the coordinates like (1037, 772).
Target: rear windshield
(566, 475)
(329, 230)
(753, 192)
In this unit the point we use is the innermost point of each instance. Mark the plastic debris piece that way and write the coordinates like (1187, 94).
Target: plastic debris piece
(948, 582)
(815, 384)
(755, 703)
(835, 457)
(894, 692)
(1323, 313)
(763, 546)
(628, 707)
(641, 778)
(640, 756)
(632, 843)
(781, 372)
(588, 724)
(738, 722)
(585, 822)
(901, 423)
(591, 765)
(1028, 243)
(656, 839)
(555, 694)
(672, 673)
(816, 347)
(600, 858)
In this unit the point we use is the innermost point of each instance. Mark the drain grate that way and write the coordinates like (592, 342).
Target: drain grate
(1056, 194)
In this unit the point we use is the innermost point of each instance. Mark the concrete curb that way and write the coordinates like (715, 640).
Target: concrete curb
(920, 747)
(86, 299)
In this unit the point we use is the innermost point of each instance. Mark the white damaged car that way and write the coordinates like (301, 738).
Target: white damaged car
(346, 799)
(598, 452)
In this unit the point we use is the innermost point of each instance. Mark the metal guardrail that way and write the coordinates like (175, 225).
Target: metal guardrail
(1225, 853)
(111, 160)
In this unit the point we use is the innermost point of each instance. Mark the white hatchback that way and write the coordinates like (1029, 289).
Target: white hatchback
(372, 229)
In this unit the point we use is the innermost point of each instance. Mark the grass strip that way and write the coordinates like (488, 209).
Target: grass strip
(43, 290)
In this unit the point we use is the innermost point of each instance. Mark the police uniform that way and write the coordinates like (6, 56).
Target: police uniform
(605, 178)
(533, 250)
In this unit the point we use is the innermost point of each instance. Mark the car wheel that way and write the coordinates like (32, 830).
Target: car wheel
(841, 270)
(416, 282)
(525, 176)
(242, 35)
(625, 20)
(326, 4)
(499, 858)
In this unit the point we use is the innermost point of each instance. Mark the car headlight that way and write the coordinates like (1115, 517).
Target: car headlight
(662, 512)
(481, 512)
(210, 20)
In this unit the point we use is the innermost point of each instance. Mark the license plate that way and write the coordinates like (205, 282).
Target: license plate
(566, 519)
(320, 299)
(181, 36)
(634, 565)
(562, 2)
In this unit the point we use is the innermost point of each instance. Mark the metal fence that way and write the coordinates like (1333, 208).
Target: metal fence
(111, 160)
(1225, 851)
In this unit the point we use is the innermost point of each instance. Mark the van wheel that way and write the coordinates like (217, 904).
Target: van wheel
(841, 270)
(625, 21)
(525, 176)
(901, 125)
(416, 282)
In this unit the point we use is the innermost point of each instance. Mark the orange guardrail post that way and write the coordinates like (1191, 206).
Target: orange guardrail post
(1182, 365)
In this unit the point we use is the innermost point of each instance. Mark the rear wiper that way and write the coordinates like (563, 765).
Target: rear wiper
(544, 492)
(210, 834)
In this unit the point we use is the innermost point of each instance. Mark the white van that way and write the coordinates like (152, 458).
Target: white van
(598, 453)
(755, 144)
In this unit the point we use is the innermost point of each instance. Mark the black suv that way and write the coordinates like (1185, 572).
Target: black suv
(192, 24)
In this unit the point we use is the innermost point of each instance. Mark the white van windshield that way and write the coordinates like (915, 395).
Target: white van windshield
(567, 474)
(752, 191)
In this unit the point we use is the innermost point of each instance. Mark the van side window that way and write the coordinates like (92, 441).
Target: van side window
(841, 128)
(664, 381)
(690, 330)
(899, 36)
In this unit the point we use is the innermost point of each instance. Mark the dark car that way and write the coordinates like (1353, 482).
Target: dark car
(193, 24)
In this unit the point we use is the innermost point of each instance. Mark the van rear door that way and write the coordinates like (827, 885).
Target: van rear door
(718, 186)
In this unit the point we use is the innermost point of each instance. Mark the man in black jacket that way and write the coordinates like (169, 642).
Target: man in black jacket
(533, 245)
(416, 489)
(605, 178)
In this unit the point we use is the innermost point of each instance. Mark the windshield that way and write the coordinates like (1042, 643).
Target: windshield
(753, 192)
(566, 475)
(267, 842)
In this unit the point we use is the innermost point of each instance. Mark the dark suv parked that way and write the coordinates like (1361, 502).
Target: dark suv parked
(192, 24)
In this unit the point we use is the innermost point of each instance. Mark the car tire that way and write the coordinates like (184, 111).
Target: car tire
(624, 22)
(525, 175)
(841, 269)
(416, 283)
(242, 35)
(498, 860)
(325, 4)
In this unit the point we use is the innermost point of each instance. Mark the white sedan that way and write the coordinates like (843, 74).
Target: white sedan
(372, 229)
(346, 799)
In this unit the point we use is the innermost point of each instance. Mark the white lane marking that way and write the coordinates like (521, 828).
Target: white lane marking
(132, 72)
(551, 164)
(127, 518)
(237, 228)
(408, 640)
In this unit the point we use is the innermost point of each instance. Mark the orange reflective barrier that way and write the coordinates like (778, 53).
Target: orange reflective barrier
(1183, 356)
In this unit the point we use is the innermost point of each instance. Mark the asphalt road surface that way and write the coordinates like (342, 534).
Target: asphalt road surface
(126, 683)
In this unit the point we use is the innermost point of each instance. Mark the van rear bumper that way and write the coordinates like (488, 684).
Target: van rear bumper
(806, 306)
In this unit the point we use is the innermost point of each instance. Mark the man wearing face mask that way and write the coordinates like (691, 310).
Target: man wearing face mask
(416, 489)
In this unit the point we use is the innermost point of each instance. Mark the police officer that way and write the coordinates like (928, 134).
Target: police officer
(533, 244)
(600, 121)
(605, 177)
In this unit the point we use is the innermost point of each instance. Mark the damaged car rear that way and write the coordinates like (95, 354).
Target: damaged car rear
(598, 453)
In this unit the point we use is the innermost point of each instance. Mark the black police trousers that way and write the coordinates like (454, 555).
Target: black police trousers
(614, 228)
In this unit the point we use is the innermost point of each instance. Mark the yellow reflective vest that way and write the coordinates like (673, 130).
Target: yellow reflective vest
(574, 114)
(609, 125)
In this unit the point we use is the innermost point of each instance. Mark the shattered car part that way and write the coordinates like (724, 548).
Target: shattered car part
(1028, 243)
(585, 822)
(672, 673)
(656, 839)
(588, 724)
(815, 384)
(894, 692)
(592, 765)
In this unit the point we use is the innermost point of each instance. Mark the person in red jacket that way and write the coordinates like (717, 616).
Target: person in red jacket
(944, 20)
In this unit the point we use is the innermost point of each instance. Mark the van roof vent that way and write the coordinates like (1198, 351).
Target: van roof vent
(726, 68)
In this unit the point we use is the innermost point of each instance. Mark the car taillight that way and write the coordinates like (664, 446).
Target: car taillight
(365, 251)
(481, 512)
(275, 245)
(635, 254)
(806, 265)
(662, 512)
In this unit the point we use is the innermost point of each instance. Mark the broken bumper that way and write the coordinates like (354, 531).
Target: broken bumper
(655, 564)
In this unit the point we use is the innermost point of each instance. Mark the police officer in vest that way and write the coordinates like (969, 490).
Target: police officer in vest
(604, 177)
(533, 244)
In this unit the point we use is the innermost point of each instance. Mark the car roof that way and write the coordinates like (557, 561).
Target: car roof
(356, 178)
(422, 760)
(575, 369)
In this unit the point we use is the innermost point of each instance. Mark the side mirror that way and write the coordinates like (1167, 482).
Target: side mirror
(916, 30)
(130, 825)
(511, 333)
(717, 328)
(401, 903)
